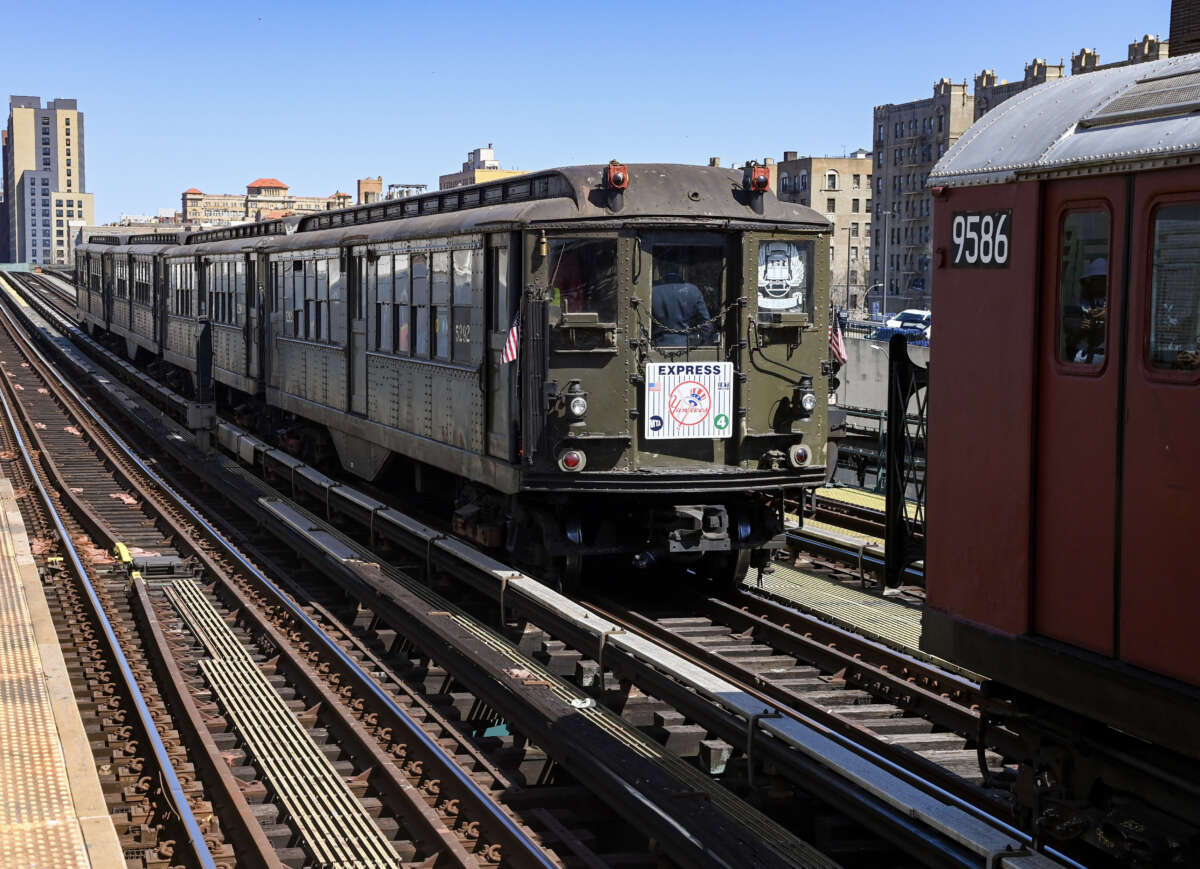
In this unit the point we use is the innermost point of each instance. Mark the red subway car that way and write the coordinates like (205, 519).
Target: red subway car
(1064, 474)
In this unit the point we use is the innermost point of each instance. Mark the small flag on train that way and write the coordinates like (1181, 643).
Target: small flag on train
(836, 346)
(512, 345)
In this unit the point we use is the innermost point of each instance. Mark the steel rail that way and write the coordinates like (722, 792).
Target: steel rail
(173, 788)
(468, 784)
(916, 825)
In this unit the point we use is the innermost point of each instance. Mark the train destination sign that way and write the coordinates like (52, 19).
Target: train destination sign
(689, 400)
(980, 239)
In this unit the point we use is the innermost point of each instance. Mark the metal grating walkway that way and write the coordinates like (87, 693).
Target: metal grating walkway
(887, 620)
(332, 822)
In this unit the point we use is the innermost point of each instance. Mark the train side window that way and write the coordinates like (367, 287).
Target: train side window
(239, 291)
(500, 314)
(383, 303)
(401, 313)
(1083, 288)
(420, 305)
(1175, 289)
(323, 332)
(583, 277)
(468, 274)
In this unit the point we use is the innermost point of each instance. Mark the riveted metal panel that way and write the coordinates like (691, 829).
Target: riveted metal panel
(143, 322)
(229, 348)
(181, 336)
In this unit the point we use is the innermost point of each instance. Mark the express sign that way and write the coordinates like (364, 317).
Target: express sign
(689, 400)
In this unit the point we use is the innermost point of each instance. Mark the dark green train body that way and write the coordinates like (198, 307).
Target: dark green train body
(667, 390)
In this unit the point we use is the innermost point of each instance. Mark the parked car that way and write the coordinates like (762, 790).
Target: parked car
(913, 318)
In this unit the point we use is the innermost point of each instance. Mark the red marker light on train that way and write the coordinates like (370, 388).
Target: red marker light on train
(760, 179)
(616, 176)
(572, 460)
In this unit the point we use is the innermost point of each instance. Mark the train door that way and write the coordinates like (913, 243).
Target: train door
(356, 335)
(1159, 583)
(159, 302)
(130, 282)
(107, 284)
(258, 272)
(503, 300)
(1078, 386)
(249, 305)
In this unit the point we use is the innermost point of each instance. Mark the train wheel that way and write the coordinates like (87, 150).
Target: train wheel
(727, 570)
(570, 573)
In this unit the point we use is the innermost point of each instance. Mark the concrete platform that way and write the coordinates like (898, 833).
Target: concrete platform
(891, 621)
(53, 812)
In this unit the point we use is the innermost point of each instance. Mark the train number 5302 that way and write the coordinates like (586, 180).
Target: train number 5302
(980, 238)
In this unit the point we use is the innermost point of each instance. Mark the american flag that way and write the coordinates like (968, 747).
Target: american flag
(836, 346)
(512, 345)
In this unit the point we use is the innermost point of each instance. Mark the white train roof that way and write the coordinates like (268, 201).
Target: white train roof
(1140, 116)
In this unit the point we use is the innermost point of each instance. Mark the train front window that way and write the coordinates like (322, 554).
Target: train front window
(784, 273)
(1083, 288)
(583, 277)
(686, 294)
(1175, 290)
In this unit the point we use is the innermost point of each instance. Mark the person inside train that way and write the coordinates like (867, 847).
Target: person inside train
(1093, 312)
(678, 307)
(1188, 360)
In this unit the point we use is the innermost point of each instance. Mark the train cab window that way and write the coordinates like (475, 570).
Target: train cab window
(784, 272)
(1083, 288)
(1175, 289)
(582, 274)
(686, 294)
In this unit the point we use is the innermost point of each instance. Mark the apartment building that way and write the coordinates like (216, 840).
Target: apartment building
(265, 198)
(840, 188)
(45, 185)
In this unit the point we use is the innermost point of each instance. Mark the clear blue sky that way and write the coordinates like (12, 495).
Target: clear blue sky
(213, 95)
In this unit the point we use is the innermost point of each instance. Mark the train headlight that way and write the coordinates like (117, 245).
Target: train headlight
(804, 397)
(572, 460)
(577, 405)
(798, 455)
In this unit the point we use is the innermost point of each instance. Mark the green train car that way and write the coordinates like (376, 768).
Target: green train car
(622, 365)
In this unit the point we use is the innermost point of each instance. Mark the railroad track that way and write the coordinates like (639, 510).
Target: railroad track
(513, 764)
(59, 296)
(570, 646)
(917, 716)
(335, 796)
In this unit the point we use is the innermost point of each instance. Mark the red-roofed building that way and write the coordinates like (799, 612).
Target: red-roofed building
(266, 187)
(264, 199)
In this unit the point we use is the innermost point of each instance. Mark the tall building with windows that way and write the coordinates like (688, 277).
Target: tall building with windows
(909, 139)
(481, 166)
(45, 186)
(840, 188)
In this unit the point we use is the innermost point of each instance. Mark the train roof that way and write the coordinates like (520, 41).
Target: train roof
(657, 191)
(1140, 116)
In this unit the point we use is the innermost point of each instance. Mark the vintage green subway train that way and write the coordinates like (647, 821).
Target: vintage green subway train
(614, 365)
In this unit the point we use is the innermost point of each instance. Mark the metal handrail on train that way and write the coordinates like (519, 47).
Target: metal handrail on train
(173, 786)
